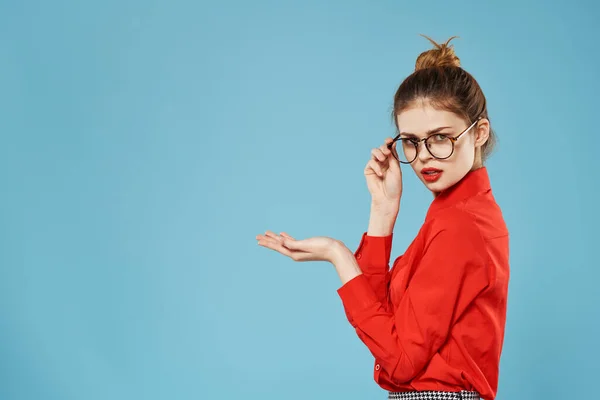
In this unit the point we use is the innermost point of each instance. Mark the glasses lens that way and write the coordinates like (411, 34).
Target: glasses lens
(440, 146)
(406, 150)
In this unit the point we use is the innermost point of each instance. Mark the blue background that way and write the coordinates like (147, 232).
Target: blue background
(144, 144)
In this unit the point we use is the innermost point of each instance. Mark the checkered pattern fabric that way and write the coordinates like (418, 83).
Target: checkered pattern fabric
(434, 395)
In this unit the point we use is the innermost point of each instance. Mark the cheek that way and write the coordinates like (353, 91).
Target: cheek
(416, 167)
(465, 153)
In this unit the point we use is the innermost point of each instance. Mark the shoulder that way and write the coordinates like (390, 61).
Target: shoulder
(452, 220)
(455, 229)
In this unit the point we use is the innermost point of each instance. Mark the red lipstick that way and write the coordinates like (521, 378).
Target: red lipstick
(431, 174)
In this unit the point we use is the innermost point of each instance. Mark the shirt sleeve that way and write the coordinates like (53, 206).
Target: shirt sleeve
(451, 273)
(373, 257)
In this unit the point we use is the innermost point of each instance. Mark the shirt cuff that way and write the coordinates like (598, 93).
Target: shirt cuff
(373, 252)
(357, 295)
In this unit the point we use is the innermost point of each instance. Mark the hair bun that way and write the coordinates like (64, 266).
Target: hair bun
(441, 56)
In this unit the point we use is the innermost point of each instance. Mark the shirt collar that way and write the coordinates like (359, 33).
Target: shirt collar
(475, 182)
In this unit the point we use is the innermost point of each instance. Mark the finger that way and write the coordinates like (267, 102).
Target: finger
(385, 150)
(378, 155)
(387, 142)
(394, 152)
(292, 244)
(395, 166)
(375, 167)
(286, 235)
(275, 245)
(272, 235)
(296, 255)
(268, 236)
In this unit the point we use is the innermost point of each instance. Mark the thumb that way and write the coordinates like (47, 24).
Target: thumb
(393, 163)
(292, 244)
(286, 239)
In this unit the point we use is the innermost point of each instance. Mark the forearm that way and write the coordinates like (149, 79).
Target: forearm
(382, 220)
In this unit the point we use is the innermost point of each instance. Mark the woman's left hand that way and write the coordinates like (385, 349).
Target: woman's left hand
(318, 248)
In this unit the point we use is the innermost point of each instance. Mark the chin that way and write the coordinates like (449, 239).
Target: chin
(450, 175)
(437, 186)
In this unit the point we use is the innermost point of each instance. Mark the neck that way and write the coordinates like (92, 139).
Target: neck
(478, 162)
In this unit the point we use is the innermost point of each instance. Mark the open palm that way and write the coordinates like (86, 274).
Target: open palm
(318, 248)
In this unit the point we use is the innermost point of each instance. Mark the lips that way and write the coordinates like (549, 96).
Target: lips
(431, 174)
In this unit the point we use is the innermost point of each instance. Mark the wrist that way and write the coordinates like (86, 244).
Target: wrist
(385, 209)
(339, 251)
(344, 262)
(382, 221)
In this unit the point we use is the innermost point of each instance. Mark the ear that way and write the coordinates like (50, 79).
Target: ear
(482, 132)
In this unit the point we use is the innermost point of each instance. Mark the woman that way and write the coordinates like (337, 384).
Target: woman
(435, 321)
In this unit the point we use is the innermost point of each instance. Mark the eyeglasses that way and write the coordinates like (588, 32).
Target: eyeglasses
(439, 145)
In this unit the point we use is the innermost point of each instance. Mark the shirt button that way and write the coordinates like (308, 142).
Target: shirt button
(377, 366)
(358, 256)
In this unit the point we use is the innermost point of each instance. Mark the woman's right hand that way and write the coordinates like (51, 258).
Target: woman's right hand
(384, 178)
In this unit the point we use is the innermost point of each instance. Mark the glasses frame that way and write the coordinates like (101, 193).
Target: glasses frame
(416, 143)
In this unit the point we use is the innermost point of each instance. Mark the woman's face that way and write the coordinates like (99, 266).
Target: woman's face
(422, 121)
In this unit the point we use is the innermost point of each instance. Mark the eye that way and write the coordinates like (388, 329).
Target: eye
(438, 137)
(408, 141)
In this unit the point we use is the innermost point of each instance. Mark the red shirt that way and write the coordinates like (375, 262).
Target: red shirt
(435, 321)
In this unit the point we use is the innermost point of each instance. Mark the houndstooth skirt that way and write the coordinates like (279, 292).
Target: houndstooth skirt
(434, 395)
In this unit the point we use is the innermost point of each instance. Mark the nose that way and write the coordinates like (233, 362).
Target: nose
(423, 153)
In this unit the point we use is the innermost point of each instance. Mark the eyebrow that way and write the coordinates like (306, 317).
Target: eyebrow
(429, 132)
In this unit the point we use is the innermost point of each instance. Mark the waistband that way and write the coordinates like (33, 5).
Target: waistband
(434, 395)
